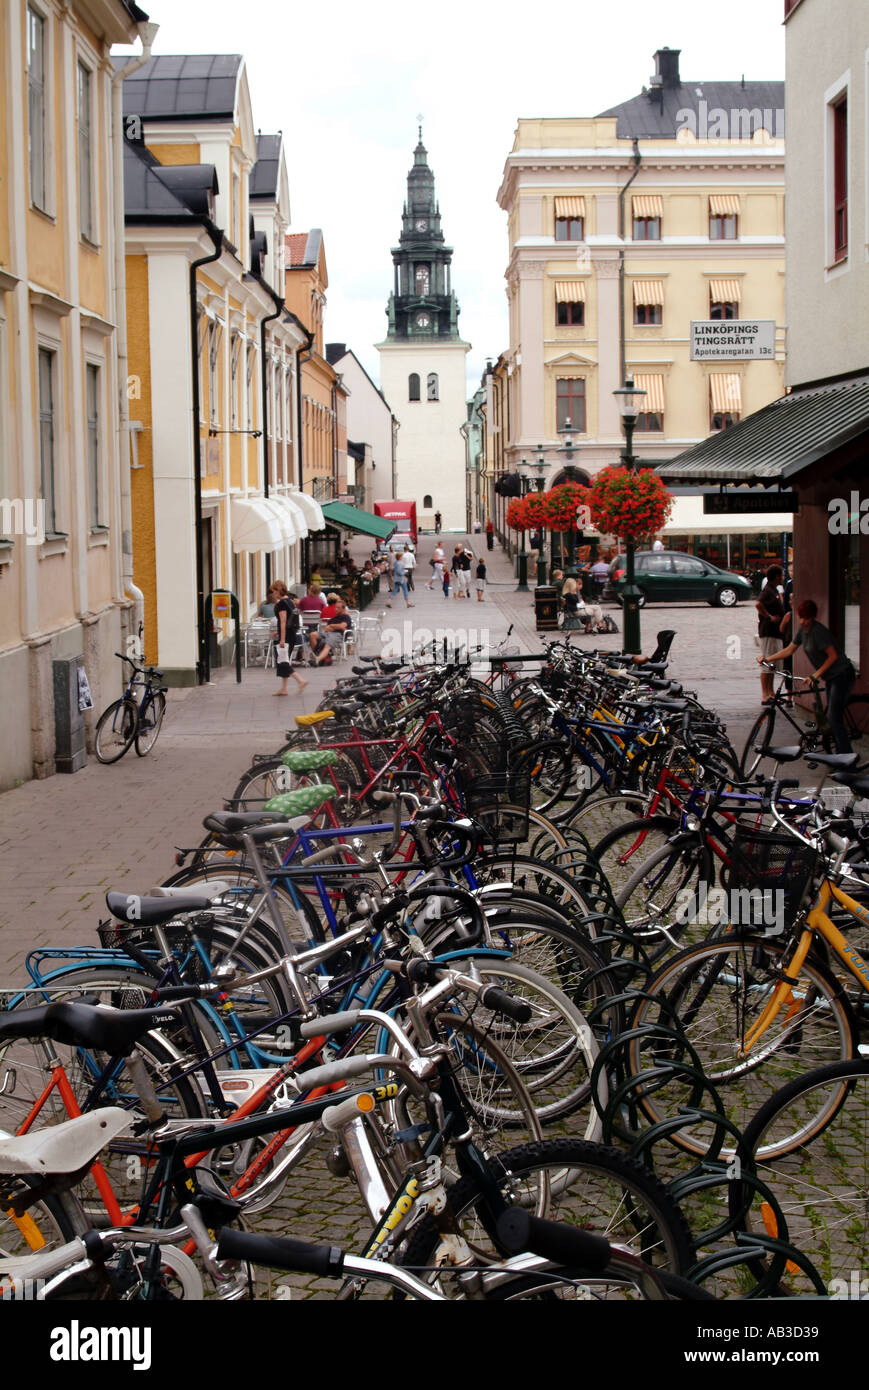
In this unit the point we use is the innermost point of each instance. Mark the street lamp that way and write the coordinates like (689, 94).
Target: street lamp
(630, 402)
(522, 556)
(539, 470)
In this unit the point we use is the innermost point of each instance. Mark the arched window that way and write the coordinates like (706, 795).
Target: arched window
(413, 387)
(426, 501)
(432, 386)
(423, 279)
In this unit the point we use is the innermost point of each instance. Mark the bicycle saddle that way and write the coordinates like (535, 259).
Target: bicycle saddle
(91, 1025)
(151, 912)
(842, 762)
(783, 753)
(63, 1148)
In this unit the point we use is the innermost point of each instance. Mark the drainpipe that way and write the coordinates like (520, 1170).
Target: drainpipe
(147, 34)
(303, 354)
(269, 318)
(203, 670)
(637, 161)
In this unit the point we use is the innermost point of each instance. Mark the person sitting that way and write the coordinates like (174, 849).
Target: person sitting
(331, 636)
(577, 613)
(328, 612)
(313, 602)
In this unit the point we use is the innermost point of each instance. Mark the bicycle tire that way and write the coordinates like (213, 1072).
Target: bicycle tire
(587, 1184)
(48, 1223)
(660, 900)
(621, 850)
(717, 990)
(761, 733)
(821, 1187)
(857, 717)
(116, 729)
(244, 892)
(549, 767)
(150, 722)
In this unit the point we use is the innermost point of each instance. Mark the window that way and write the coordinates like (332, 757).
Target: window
(840, 180)
(650, 420)
(36, 106)
(85, 176)
(570, 404)
(647, 229)
(92, 416)
(722, 228)
(569, 228)
(214, 332)
(234, 355)
(724, 299)
(427, 502)
(249, 394)
(723, 309)
(571, 314)
(48, 484)
(687, 565)
(413, 387)
(423, 279)
(652, 417)
(431, 386)
(725, 400)
(648, 301)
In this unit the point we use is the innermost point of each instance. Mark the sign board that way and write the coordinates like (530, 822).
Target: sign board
(747, 503)
(221, 606)
(732, 340)
(84, 691)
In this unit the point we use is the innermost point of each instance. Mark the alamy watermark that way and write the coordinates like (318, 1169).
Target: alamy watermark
(849, 516)
(762, 909)
(856, 1286)
(739, 123)
(23, 517)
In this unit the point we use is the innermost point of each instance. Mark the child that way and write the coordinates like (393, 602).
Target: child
(481, 580)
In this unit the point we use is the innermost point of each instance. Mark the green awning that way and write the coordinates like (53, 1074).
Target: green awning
(353, 519)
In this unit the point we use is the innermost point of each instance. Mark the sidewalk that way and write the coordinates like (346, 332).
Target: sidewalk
(65, 841)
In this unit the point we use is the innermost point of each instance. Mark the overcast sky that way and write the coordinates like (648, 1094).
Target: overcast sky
(345, 82)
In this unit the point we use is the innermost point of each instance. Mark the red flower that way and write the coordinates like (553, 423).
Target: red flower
(630, 505)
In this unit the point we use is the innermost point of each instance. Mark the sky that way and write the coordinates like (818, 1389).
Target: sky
(346, 82)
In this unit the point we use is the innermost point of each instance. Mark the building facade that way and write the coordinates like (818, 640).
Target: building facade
(62, 590)
(422, 359)
(371, 423)
(323, 400)
(623, 228)
(208, 337)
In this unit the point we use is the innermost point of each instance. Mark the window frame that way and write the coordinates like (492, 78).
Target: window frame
(567, 225)
(723, 304)
(722, 233)
(95, 437)
(432, 380)
(840, 152)
(422, 271)
(413, 385)
(38, 197)
(727, 419)
(644, 423)
(571, 395)
(47, 429)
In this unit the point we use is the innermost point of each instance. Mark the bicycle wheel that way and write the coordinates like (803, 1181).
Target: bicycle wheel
(554, 1052)
(600, 815)
(857, 717)
(759, 739)
(116, 729)
(810, 1143)
(717, 991)
(526, 874)
(663, 900)
(150, 722)
(620, 852)
(582, 1184)
(42, 1227)
(242, 895)
(549, 768)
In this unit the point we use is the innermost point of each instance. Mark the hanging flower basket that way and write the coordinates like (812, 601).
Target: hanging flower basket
(562, 504)
(516, 515)
(534, 509)
(634, 506)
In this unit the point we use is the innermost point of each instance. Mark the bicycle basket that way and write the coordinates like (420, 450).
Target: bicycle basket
(772, 863)
(499, 806)
(513, 668)
(118, 936)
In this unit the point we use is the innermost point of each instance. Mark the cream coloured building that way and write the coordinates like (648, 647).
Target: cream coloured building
(62, 568)
(623, 228)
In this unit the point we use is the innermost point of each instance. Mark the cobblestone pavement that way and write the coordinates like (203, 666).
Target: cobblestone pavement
(65, 841)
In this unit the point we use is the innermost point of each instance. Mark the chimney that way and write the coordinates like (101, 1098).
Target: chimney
(667, 67)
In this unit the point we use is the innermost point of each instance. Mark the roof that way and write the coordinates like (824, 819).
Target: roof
(334, 356)
(193, 84)
(265, 173)
(661, 113)
(157, 192)
(352, 519)
(303, 248)
(780, 440)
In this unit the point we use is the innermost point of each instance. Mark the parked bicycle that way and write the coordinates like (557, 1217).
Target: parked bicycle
(130, 719)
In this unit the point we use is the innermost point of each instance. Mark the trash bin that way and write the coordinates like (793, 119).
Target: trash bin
(546, 607)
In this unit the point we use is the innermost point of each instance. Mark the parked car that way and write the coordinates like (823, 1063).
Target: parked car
(670, 576)
(398, 541)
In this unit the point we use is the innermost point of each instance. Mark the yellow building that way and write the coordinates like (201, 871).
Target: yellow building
(215, 506)
(62, 591)
(324, 402)
(623, 229)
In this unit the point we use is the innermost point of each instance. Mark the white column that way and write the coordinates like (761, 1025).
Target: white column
(606, 267)
(531, 347)
(74, 374)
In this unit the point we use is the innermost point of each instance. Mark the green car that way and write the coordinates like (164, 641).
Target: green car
(670, 576)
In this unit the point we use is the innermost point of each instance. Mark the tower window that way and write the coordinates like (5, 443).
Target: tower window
(423, 279)
(431, 386)
(413, 386)
(426, 502)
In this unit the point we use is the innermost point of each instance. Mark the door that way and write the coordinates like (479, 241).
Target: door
(692, 580)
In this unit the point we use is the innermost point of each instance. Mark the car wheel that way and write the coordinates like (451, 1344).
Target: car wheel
(642, 601)
(727, 597)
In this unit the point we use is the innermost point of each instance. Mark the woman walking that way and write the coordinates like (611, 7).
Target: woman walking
(288, 629)
(480, 580)
(828, 658)
(770, 611)
(399, 582)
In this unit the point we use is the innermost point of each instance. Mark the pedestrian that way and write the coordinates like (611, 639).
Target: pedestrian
(490, 535)
(288, 629)
(445, 580)
(477, 527)
(467, 562)
(437, 566)
(437, 523)
(457, 567)
(830, 662)
(658, 544)
(786, 628)
(480, 582)
(408, 559)
(770, 611)
(399, 582)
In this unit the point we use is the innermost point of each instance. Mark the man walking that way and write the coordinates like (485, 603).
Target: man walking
(399, 582)
(437, 561)
(437, 523)
(408, 559)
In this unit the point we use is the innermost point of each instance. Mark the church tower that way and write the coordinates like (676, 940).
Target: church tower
(422, 360)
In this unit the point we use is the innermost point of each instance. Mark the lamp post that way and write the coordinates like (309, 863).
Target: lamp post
(630, 402)
(539, 468)
(522, 556)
